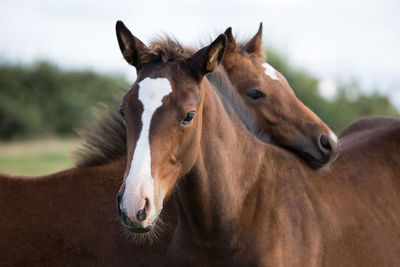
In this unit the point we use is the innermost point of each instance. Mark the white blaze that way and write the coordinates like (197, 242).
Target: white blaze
(139, 182)
(270, 71)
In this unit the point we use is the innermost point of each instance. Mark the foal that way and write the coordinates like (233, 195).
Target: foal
(177, 126)
(241, 202)
(77, 195)
(278, 112)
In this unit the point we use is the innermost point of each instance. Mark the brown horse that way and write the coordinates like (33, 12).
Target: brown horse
(69, 218)
(278, 111)
(241, 202)
(91, 187)
(86, 187)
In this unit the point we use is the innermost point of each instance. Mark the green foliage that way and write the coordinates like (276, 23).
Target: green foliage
(41, 99)
(349, 105)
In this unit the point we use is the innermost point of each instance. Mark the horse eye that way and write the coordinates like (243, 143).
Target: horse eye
(189, 117)
(121, 112)
(255, 94)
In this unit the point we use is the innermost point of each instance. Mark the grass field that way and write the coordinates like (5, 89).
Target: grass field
(38, 157)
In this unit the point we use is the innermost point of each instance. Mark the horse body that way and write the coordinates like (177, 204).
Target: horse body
(281, 213)
(232, 216)
(329, 220)
(357, 203)
(69, 219)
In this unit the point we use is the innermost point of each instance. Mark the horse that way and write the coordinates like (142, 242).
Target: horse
(245, 66)
(69, 218)
(239, 201)
(280, 117)
(89, 186)
(278, 112)
(18, 249)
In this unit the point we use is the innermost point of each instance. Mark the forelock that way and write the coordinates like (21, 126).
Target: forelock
(167, 48)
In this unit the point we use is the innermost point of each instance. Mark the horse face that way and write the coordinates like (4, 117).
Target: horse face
(160, 122)
(279, 113)
(162, 113)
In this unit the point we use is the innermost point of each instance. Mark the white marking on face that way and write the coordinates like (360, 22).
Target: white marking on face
(334, 137)
(270, 71)
(139, 182)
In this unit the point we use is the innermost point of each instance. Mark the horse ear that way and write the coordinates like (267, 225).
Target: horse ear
(133, 50)
(208, 58)
(231, 49)
(254, 45)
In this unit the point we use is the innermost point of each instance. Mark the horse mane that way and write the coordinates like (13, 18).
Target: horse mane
(231, 100)
(167, 48)
(104, 140)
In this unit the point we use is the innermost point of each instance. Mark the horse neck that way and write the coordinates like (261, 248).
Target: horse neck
(229, 163)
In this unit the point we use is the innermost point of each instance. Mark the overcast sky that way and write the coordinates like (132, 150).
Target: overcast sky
(334, 40)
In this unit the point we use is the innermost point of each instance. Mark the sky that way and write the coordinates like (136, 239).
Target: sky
(341, 40)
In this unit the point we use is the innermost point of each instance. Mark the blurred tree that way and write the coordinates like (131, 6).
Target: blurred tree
(41, 99)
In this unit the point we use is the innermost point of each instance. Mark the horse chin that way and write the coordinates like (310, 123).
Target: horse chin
(145, 236)
(138, 230)
(141, 228)
(315, 162)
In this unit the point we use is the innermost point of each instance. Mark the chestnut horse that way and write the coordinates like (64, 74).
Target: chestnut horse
(278, 112)
(90, 187)
(240, 201)
(69, 218)
(77, 195)
(280, 117)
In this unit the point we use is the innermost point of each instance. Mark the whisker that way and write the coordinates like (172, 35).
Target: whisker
(144, 239)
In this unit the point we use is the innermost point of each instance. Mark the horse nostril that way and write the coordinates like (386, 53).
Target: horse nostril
(141, 214)
(325, 144)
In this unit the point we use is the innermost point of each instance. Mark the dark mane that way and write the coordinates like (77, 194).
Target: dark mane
(105, 139)
(167, 48)
(231, 100)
